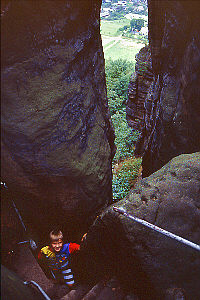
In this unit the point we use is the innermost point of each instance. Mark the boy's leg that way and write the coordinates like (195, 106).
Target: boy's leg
(68, 277)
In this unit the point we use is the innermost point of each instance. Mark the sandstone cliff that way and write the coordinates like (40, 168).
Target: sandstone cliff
(140, 82)
(57, 136)
(172, 107)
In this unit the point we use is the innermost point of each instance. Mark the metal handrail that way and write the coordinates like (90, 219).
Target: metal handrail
(158, 229)
(39, 288)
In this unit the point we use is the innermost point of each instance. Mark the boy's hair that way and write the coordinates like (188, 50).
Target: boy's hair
(55, 235)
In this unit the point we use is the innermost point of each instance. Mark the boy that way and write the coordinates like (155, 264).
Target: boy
(56, 257)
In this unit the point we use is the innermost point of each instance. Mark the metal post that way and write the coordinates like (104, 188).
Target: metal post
(158, 229)
(19, 216)
(30, 241)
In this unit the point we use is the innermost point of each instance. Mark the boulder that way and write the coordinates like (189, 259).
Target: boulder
(146, 261)
(13, 288)
(171, 118)
(57, 136)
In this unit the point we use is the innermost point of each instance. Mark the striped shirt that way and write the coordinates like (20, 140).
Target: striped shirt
(58, 263)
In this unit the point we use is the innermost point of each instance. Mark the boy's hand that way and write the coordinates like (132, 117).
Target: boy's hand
(83, 237)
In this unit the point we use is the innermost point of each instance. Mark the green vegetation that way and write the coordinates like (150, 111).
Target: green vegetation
(118, 73)
(124, 176)
(136, 24)
(130, 30)
(125, 136)
(116, 15)
(121, 50)
(111, 28)
(119, 41)
(125, 165)
(142, 67)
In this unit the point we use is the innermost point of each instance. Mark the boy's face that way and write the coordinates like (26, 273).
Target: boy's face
(57, 245)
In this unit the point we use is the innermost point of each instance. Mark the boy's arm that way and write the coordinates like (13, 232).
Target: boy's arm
(40, 255)
(43, 264)
(84, 237)
(73, 247)
(41, 259)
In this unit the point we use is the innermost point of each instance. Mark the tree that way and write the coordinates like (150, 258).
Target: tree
(118, 74)
(136, 24)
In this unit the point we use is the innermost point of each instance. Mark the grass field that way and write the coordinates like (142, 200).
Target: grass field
(119, 50)
(114, 45)
(110, 28)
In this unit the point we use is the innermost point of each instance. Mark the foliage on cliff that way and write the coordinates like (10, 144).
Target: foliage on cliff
(117, 78)
(124, 176)
(118, 74)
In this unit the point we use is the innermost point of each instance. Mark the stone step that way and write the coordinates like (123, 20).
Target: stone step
(111, 294)
(94, 292)
(77, 294)
(109, 290)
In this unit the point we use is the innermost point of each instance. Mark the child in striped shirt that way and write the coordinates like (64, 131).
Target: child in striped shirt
(56, 257)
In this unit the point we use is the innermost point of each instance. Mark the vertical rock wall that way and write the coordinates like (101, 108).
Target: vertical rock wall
(57, 135)
(172, 115)
(140, 82)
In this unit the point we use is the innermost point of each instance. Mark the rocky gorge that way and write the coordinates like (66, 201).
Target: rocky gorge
(58, 140)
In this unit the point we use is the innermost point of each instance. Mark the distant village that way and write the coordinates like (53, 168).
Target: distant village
(131, 9)
(109, 6)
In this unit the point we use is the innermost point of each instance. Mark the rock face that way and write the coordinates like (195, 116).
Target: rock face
(57, 136)
(14, 288)
(172, 110)
(140, 82)
(144, 259)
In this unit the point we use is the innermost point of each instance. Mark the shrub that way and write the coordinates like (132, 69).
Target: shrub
(118, 68)
(118, 74)
(125, 137)
(136, 24)
(123, 178)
